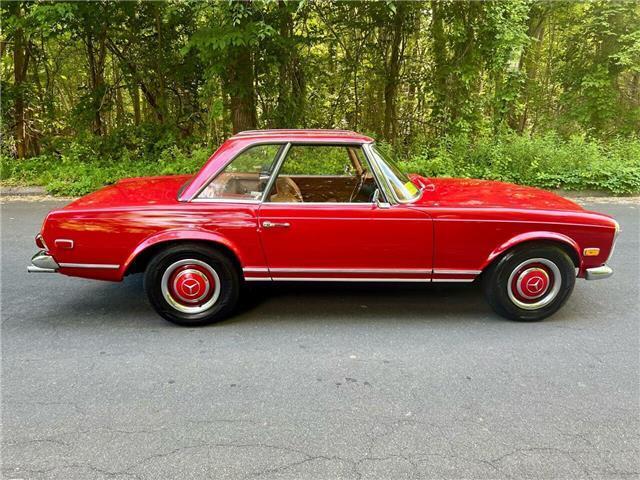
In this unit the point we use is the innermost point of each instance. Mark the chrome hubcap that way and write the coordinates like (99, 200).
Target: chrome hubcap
(190, 286)
(534, 283)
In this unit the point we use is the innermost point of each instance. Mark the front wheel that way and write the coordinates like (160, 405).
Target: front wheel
(192, 285)
(529, 283)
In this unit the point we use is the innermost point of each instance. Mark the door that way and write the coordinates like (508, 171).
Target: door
(319, 222)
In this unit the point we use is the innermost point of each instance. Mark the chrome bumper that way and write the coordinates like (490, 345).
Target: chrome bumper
(41, 262)
(598, 272)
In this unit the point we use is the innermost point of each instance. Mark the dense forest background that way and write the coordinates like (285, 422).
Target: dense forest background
(544, 93)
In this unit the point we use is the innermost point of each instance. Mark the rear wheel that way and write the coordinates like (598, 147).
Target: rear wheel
(529, 283)
(192, 284)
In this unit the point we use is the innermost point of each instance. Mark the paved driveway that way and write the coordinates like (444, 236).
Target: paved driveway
(316, 383)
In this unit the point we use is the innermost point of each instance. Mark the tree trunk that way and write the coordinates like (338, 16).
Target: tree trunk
(291, 88)
(283, 116)
(529, 63)
(134, 92)
(439, 52)
(161, 97)
(241, 90)
(20, 64)
(391, 78)
(97, 56)
(120, 119)
(149, 95)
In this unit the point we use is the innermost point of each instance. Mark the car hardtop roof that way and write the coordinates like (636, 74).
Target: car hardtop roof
(306, 134)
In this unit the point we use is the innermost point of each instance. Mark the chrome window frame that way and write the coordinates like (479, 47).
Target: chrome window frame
(367, 158)
(276, 171)
(195, 199)
(389, 192)
(386, 191)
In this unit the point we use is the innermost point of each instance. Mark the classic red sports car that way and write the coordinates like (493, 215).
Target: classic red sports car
(324, 205)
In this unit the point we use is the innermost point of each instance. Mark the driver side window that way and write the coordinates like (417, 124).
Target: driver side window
(325, 174)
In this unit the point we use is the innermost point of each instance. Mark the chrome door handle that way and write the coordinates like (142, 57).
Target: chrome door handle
(268, 224)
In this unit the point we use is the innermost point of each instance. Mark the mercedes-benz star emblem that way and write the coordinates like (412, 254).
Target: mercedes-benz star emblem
(535, 284)
(191, 286)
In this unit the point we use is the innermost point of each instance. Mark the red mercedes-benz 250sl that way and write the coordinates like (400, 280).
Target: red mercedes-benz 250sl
(324, 205)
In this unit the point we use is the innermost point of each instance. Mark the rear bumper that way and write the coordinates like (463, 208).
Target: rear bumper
(42, 262)
(598, 273)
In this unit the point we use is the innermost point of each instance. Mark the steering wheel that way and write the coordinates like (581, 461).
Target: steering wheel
(356, 190)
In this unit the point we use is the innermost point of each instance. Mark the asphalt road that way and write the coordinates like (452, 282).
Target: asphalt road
(316, 382)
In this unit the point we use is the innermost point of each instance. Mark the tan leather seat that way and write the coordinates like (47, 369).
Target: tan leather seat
(286, 191)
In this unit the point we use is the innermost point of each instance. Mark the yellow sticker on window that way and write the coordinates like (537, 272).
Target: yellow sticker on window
(411, 188)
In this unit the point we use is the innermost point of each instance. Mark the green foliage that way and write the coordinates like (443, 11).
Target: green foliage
(546, 162)
(90, 162)
(317, 160)
(544, 93)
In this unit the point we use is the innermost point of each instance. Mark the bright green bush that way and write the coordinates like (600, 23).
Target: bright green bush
(546, 161)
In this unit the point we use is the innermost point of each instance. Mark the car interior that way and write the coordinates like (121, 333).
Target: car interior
(354, 184)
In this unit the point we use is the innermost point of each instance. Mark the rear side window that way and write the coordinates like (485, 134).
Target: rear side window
(245, 177)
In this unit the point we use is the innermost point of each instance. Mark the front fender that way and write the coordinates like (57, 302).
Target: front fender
(530, 237)
(179, 235)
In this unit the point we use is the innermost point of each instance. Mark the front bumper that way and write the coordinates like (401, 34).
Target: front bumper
(42, 262)
(598, 273)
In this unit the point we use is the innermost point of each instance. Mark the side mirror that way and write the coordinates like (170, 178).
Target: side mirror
(378, 202)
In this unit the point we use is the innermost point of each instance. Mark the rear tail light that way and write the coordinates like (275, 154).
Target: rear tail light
(40, 242)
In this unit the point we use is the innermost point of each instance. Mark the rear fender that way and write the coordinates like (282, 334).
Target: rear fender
(180, 235)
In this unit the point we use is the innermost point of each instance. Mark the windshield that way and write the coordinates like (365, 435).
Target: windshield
(403, 188)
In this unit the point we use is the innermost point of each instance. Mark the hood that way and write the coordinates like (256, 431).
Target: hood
(463, 192)
(139, 191)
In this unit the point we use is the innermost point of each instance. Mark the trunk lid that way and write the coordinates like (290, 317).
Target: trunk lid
(138, 191)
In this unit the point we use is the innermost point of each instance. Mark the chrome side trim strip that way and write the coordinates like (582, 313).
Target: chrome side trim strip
(416, 271)
(453, 271)
(349, 279)
(453, 280)
(516, 221)
(355, 279)
(223, 200)
(89, 265)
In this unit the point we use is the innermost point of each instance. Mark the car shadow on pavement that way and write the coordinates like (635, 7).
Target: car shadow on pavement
(126, 302)
(362, 301)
